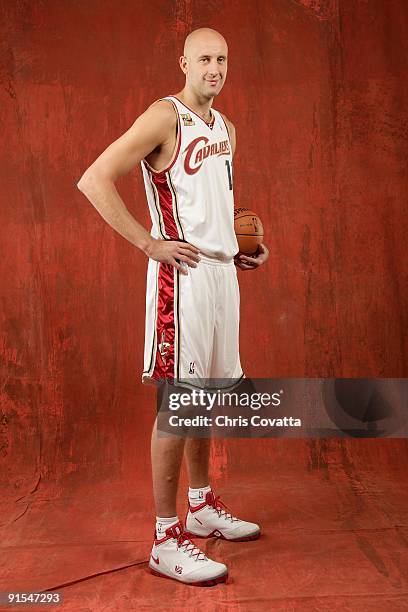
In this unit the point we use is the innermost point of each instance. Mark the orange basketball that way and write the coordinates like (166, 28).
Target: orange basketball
(248, 230)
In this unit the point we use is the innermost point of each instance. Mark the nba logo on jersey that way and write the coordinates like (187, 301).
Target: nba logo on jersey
(192, 367)
(186, 117)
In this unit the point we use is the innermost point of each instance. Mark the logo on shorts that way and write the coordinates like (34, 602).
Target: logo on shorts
(164, 346)
(192, 367)
(186, 117)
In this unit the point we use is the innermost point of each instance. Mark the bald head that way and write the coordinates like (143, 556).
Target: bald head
(205, 62)
(202, 37)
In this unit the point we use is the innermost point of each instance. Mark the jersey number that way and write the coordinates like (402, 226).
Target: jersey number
(229, 172)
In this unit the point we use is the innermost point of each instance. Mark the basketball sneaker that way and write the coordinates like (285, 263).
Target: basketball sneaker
(176, 556)
(212, 519)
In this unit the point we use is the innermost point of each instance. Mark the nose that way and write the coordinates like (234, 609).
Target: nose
(213, 68)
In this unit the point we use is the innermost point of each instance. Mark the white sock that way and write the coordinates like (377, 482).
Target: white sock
(197, 496)
(163, 523)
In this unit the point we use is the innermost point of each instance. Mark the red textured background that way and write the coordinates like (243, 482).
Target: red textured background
(317, 91)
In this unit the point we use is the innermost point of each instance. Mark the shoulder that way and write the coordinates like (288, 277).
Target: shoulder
(162, 111)
(157, 123)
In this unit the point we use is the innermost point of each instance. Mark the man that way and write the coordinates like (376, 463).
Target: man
(192, 304)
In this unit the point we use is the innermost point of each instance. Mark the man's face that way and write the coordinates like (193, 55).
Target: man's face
(205, 66)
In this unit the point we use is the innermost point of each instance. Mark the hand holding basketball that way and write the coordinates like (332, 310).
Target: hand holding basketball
(245, 262)
(249, 232)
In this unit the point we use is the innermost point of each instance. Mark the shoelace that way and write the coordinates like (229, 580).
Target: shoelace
(219, 506)
(189, 547)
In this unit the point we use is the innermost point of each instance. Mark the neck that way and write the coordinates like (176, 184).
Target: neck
(201, 106)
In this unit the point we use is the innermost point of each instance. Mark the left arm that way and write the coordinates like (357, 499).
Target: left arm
(244, 262)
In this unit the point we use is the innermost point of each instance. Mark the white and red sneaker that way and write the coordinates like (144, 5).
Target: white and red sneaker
(176, 556)
(211, 519)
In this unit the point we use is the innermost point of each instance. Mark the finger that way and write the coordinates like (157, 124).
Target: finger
(186, 245)
(195, 249)
(243, 266)
(188, 261)
(189, 253)
(239, 259)
(179, 267)
(250, 261)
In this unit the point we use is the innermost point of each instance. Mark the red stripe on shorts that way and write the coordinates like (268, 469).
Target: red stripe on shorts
(164, 363)
(165, 325)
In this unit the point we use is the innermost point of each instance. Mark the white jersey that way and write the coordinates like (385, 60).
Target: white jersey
(192, 198)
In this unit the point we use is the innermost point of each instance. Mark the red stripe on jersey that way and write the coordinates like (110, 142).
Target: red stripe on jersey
(165, 204)
(165, 326)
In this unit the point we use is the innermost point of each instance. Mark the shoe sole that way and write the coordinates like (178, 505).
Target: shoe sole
(249, 538)
(199, 583)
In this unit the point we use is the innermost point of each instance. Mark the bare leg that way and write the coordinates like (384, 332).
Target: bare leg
(167, 454)
(197, 452)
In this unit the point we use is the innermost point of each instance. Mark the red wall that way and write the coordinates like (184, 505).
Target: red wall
(317, 92)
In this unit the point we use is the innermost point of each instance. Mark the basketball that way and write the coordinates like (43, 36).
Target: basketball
(248, 230)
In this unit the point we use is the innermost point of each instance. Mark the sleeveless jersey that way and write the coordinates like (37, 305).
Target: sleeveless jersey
(192, 198)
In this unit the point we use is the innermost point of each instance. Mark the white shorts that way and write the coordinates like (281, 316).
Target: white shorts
(192, 324)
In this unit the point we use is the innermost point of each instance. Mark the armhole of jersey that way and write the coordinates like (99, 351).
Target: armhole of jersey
(226, 127)
(177, 145)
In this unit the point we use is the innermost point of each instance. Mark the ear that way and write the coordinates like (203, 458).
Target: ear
(183, 64)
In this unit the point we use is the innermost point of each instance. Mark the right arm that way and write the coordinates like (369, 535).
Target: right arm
(148, 132)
